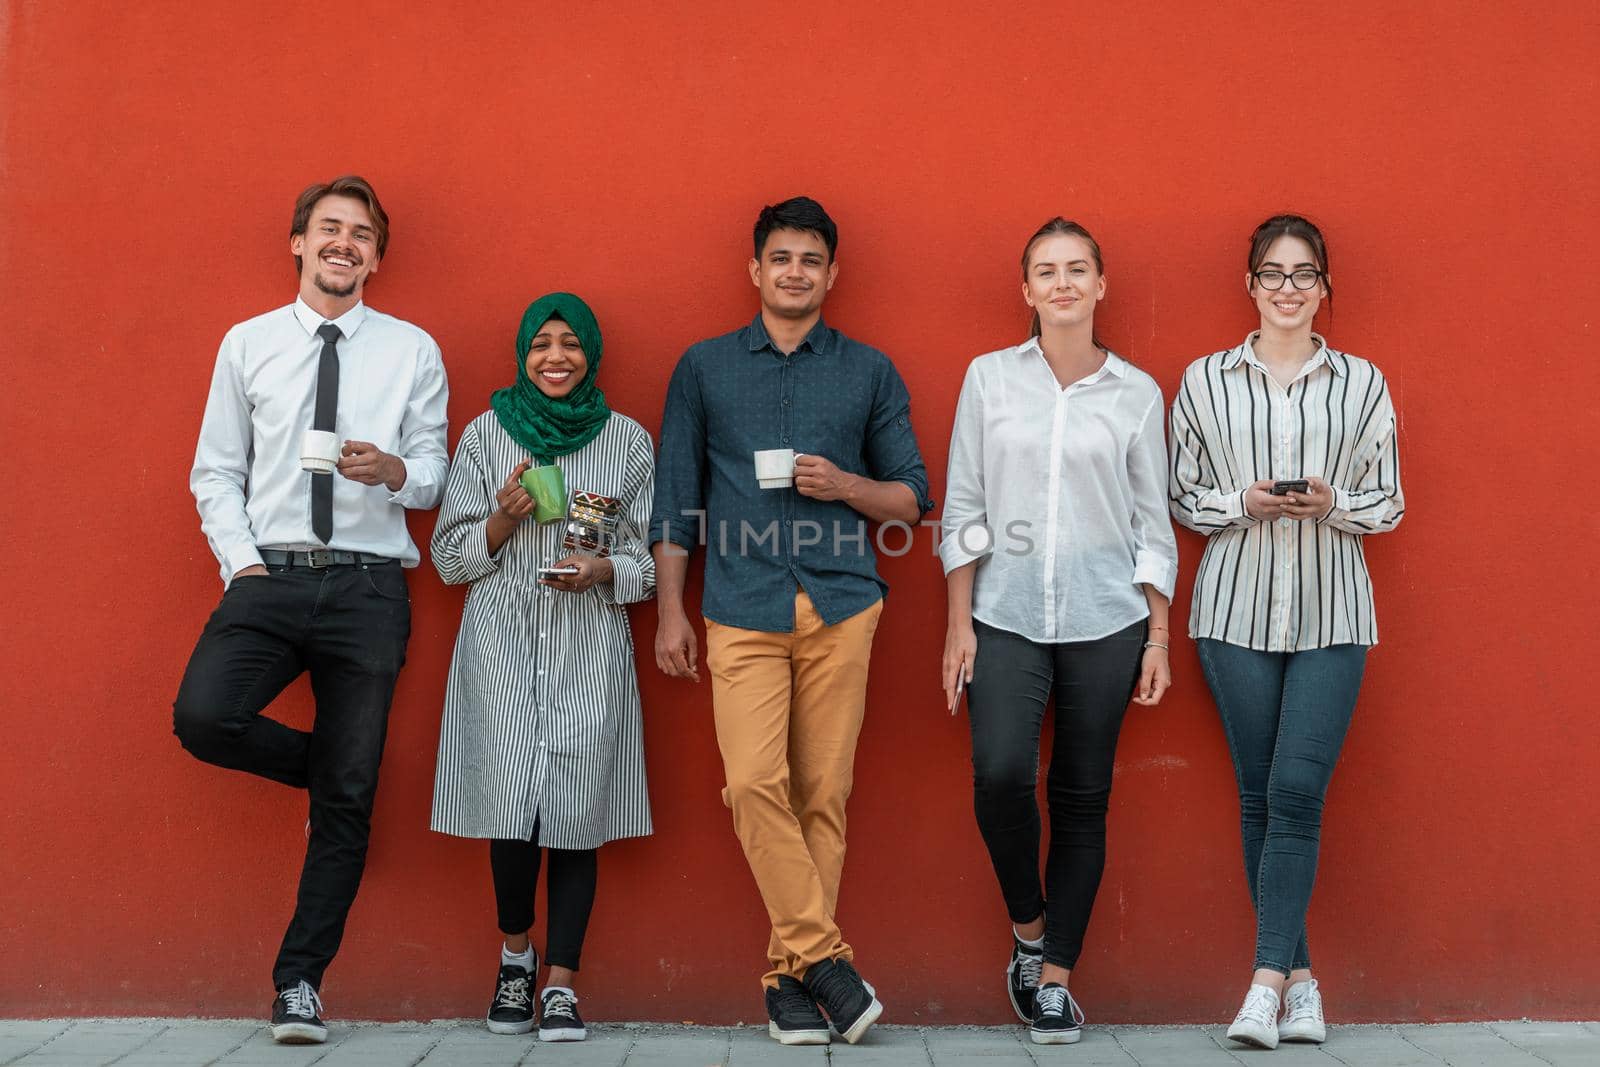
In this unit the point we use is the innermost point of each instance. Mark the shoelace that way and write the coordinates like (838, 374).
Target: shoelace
(1302, 1001)
(300, 999)
(1056, 1000)
(558, 1003)
(1260, 1006)
(1029, 968)
(512, 993)
(794, 998)
(835, 985)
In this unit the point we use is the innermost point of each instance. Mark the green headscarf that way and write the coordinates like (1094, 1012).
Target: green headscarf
(548, 427)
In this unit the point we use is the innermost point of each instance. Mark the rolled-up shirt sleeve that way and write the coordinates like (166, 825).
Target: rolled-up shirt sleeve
(1373, 502)
(678, 509)
(633, 568)
(222, 465)
(1155, 559)
(891, 450)
(422, 445)
(965, 534)
(1195, 496)
(460, 545)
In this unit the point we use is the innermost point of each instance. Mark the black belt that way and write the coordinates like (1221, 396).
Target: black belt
(318, 558)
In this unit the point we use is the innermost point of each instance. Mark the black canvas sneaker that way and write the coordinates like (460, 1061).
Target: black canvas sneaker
(511, 1010)
(1057, 1019)
(793, 1018)
(1022, 978)
(297, 1016)
(838, 990)
(558, 1016)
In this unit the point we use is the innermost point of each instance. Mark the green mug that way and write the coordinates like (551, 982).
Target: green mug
(549, 491)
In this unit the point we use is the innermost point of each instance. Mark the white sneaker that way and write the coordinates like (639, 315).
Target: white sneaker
(1302, 1014)
(1257, 1021)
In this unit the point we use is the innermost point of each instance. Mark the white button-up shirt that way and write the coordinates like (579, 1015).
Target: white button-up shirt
(1060, 494)
(247, 480)
(1287, 585)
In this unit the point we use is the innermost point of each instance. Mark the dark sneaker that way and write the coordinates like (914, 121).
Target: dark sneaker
(1022, 978)
(793, 1018)
(558, 1016)
(297, 1016)
(1057, 1019)
(839, 991)
(511, 1010)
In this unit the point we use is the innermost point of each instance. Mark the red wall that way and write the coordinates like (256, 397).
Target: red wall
(151, 155)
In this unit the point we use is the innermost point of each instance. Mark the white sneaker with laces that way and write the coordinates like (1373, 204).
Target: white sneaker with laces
(1257, 1021)
(1302, 1014)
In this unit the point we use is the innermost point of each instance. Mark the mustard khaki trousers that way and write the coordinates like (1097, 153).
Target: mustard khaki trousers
(788, 709)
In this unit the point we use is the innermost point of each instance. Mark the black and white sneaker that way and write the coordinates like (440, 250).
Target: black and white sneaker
(511, 1010)
(558, 1016)
(1057, 1019)
(297, 1016)
(792, 1016)
(851, 1004)
(1022, 977)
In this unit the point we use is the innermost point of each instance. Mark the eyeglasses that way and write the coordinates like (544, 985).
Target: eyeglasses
(1274, 279)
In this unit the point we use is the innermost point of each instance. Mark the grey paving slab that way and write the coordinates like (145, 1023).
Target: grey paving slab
(88, 1042)
(1468, 1045)
(1375, 1046)
(884, 1046)
(395, 1045)
(196, 1043)
(984, 1047)
(1171, 1046)
(1561, 1044)
(19, 1037)
(749, 1046)
(607, 1046)
(1098, 1047)
(679, 1047)
(259, 1050)
(472, 1045)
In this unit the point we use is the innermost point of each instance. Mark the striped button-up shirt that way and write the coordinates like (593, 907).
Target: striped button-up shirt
(541, 712)
(1286, 585)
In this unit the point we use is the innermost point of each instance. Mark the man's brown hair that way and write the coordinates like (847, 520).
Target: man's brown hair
(356, 188)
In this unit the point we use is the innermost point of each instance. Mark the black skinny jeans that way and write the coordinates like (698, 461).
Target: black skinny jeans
(1012, 680)
(348, 626)
(571, 885)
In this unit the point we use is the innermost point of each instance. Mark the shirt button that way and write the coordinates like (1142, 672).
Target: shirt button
(785, 438)
(785, 401)
(541, 633)
(541, 670)
(541, 744)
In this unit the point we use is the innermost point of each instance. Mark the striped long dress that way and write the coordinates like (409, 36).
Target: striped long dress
(541, 712)
(1284, 586)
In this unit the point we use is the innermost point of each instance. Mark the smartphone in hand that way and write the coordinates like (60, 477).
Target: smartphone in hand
(1292, 485)
(554, 572)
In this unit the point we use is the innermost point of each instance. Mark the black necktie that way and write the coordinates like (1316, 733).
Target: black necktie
(327, 404)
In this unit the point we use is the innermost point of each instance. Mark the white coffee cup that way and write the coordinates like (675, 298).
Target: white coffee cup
(775, 468)
(319, 451)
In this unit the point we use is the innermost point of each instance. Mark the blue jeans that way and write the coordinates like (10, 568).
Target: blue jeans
(1285, 714)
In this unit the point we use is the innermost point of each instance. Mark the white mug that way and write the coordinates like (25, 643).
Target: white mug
(319, 451)
(775, 468)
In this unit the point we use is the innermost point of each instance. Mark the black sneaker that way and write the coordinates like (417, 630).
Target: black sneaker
(793, 1018)
(296, 1016)
(1022, 977)
(838, 990)
(511, 1010)
(558, 1016)
(1057, 1019)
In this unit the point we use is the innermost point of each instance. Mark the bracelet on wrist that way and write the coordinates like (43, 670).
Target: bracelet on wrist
(1156, 644)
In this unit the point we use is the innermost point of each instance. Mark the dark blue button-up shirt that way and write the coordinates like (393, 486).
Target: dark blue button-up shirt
(736, 395)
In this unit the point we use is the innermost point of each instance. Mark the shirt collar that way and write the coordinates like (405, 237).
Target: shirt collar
(348, 323)
(1114, 363)
(1246, 353)
(819, 339)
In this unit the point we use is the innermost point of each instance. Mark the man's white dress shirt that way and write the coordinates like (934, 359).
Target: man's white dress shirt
(1061, 496)
(247, 481)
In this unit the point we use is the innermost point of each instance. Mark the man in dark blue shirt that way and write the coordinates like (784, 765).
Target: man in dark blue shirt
(792, 592)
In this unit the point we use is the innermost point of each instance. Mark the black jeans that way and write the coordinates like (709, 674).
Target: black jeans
(571, 885)
(347, 626)
(1012, 679)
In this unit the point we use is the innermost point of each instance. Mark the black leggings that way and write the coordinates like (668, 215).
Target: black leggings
(571, 884)
(1012, 679)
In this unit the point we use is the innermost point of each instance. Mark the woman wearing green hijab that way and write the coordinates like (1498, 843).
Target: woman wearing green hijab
(541, 746)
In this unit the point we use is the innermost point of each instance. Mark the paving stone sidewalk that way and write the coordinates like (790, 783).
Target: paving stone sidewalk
(460, 1043)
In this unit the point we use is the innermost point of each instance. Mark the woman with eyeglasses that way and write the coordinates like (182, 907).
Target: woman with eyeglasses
(1284, 456)
(1059, 563)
